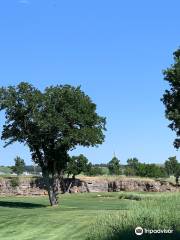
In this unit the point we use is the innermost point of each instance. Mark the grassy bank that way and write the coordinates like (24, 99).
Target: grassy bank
(149, 211)
(99, 216)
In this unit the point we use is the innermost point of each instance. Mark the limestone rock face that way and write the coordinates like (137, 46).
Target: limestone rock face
(25, 186)
(97, 186)
(36, 186)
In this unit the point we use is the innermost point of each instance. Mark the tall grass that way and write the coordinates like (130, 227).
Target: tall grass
(154, 211)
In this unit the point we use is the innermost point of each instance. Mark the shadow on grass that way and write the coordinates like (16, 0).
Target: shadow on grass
(21, 205)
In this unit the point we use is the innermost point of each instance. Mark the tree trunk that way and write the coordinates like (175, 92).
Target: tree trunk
(177, 180)
(52, 188)
(67, 191)
(61, 182)
(53, 197)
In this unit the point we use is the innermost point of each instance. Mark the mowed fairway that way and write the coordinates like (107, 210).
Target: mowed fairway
(89, 216)
(25, 218)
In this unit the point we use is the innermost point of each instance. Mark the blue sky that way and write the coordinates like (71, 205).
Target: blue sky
(116, 50)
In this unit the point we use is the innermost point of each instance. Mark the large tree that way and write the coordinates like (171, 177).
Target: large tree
(171, 97)
(50, 123)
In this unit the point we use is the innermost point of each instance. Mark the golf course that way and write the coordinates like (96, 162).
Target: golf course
(89, 216)
(89, 120)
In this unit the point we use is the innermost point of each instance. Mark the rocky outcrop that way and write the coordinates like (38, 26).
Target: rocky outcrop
(141, 186)
(35, 186)
(22, 186)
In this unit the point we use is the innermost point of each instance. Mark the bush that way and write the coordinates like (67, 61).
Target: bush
(130, 197)
(129, 171)
(94, 171)
(150, 170)
(15, 182)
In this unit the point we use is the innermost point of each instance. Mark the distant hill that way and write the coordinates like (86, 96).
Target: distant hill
(5, 170)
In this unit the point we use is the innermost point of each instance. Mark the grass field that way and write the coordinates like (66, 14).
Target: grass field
(86, 216)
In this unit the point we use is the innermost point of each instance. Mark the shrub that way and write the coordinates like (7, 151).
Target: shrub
(15, 182)
(130, 197)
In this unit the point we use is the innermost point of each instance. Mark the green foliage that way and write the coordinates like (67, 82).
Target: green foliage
(50, 123)
(114, 166)
(132, 167)
(19, 166)
(94, 171)
(14, 182)
(105, 170)
(159, 211)
(151, 170)
(130, 171)
(135, 168)
(133, 162)
(130, 196)
(173, 167)
(6, 170)
(76, 165)
(171, 97)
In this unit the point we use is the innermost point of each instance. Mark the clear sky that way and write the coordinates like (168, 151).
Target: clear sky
(116, 50)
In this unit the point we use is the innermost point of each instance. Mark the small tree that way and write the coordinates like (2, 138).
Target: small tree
(177, 174)
(114, 166)
(76, 165)
(173, 167)
(19, 166)
(132, 167)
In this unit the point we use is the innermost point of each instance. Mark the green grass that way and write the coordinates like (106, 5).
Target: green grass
(97, 216)
(150, 211)
(6, 170)
(31, 218)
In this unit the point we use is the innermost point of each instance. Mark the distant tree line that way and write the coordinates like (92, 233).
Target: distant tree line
(80, 165)
(135, 168)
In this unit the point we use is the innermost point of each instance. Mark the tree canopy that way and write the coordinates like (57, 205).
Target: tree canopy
(19, 165)
(132, 167)
(172, 167)
(93, 170)
(114, 166)
(171, 97)
(50, 123)
(76, 165)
